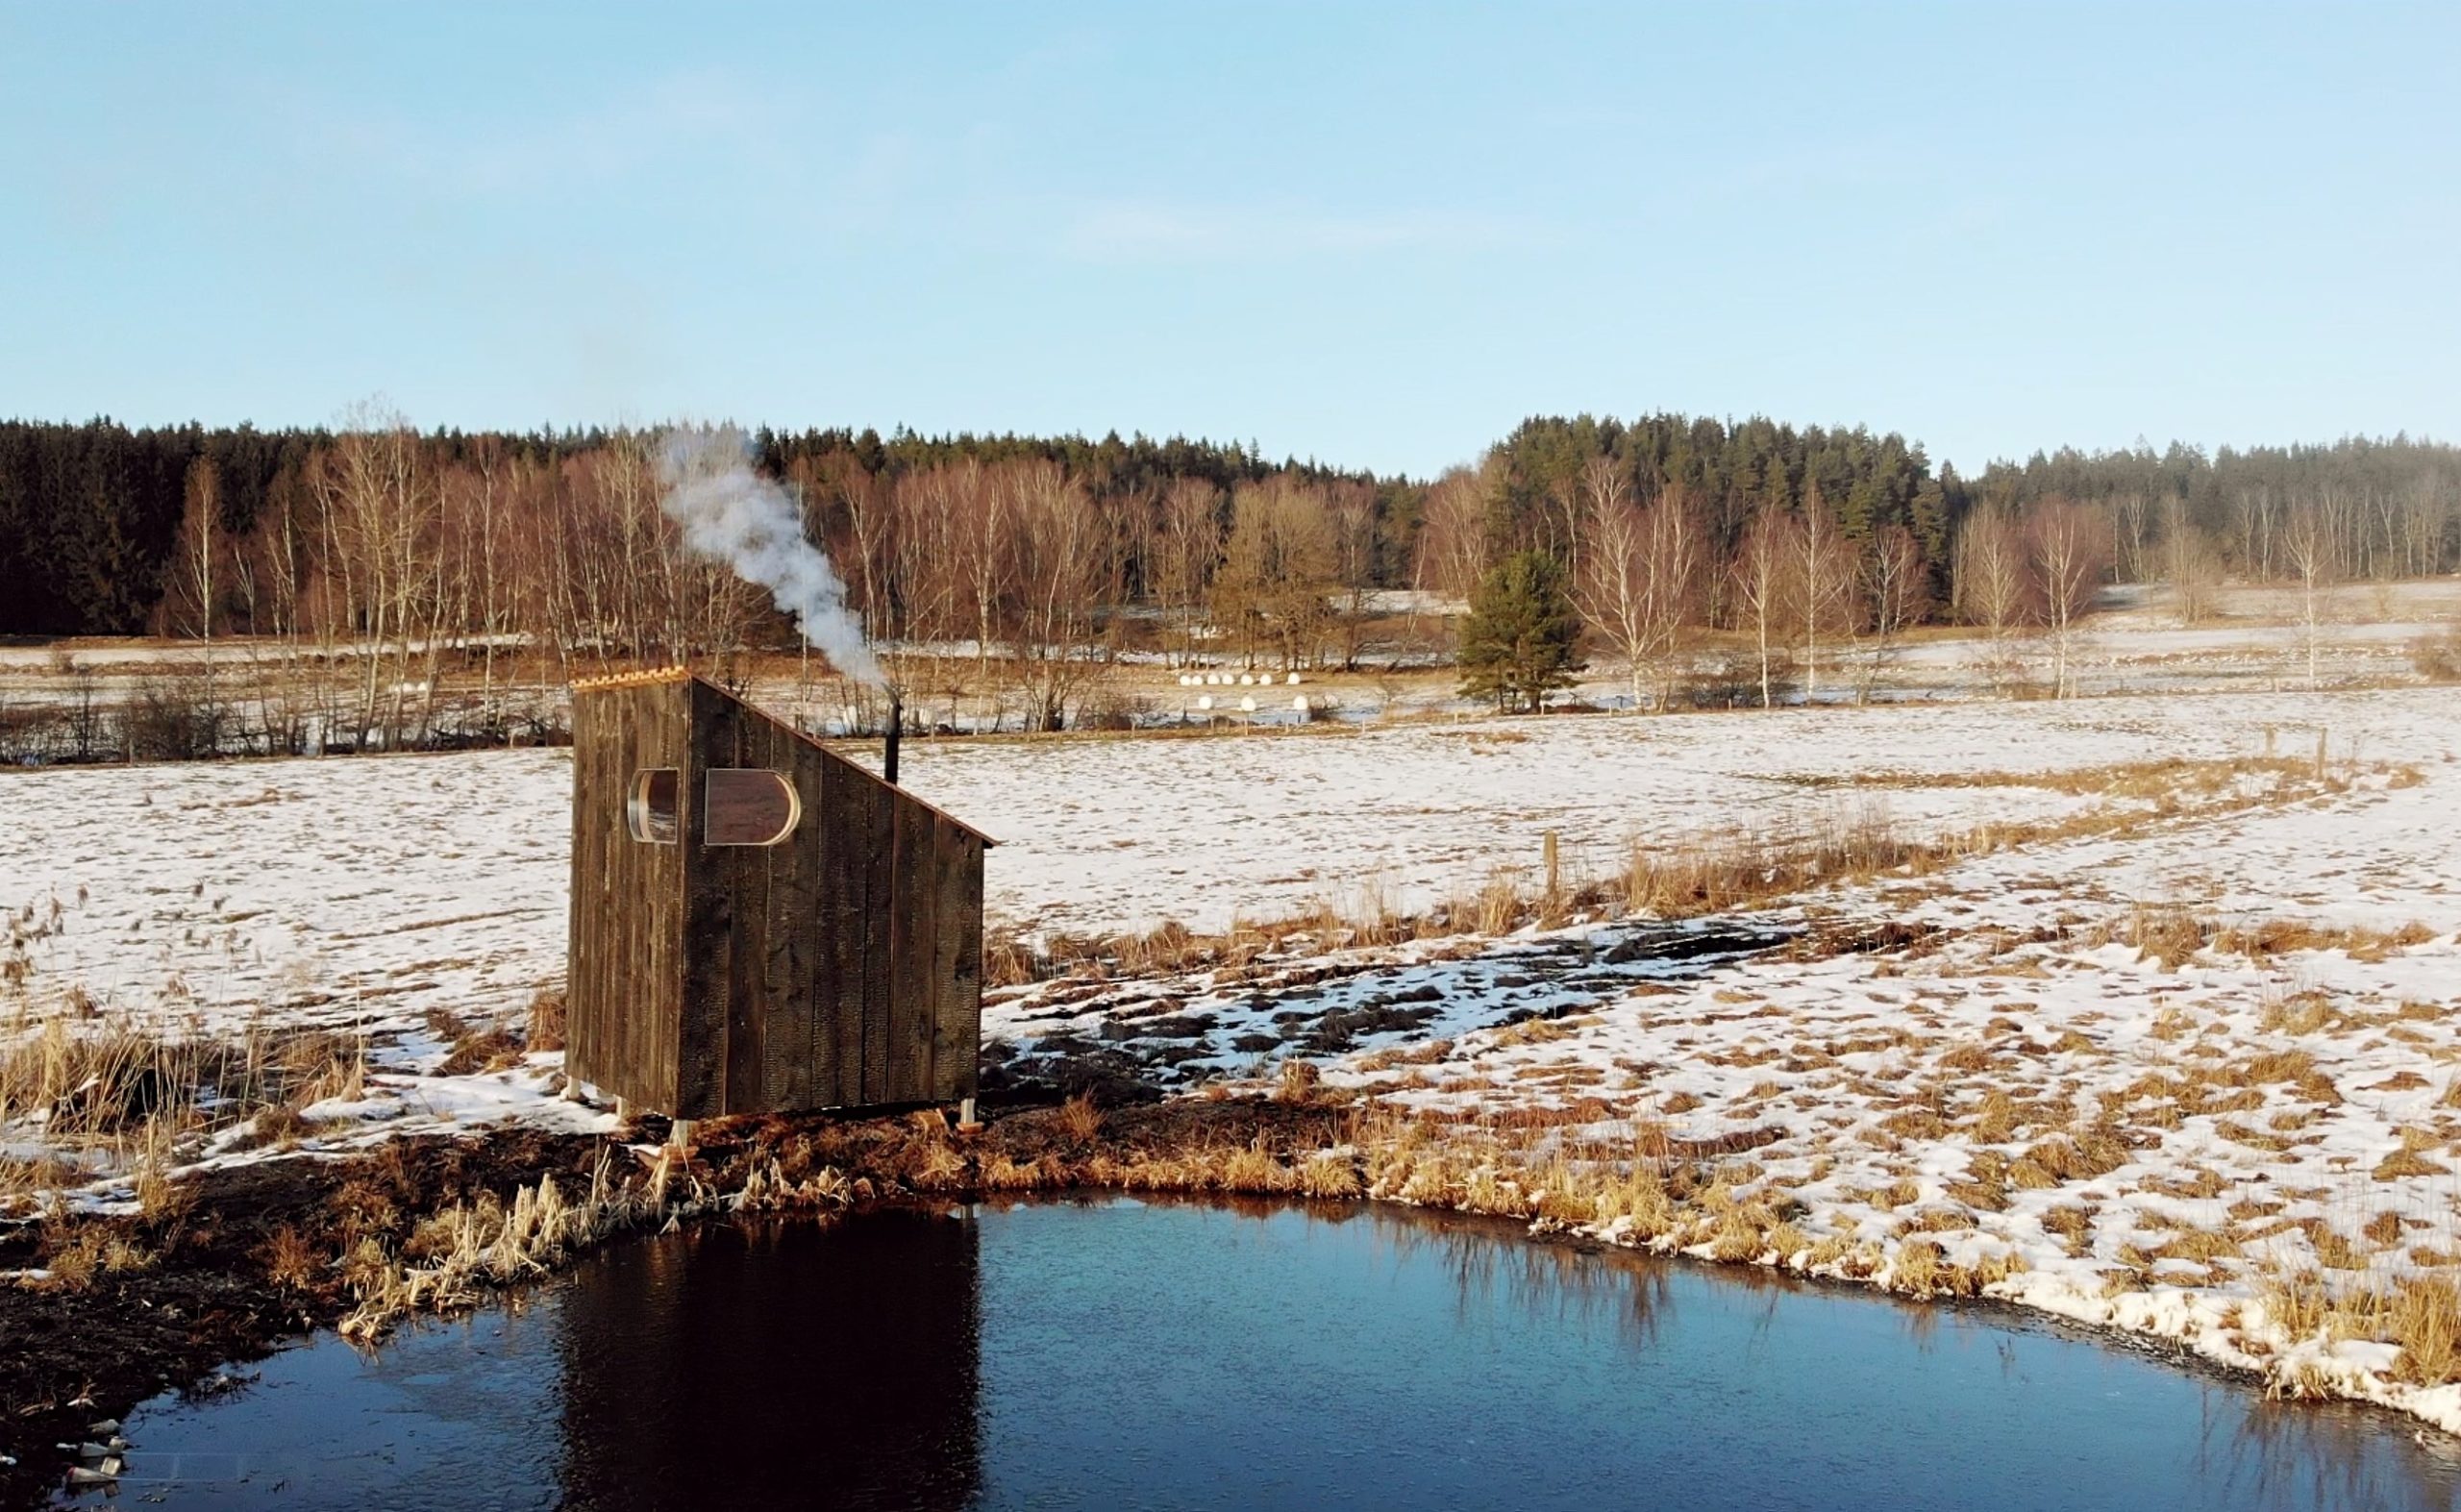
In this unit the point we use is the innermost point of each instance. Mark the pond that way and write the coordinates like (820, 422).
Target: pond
(1115, 1353)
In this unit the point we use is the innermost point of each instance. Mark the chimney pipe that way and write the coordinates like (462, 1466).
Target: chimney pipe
(888, 749)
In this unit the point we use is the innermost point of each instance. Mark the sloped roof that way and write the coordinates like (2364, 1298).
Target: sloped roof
(641, 677)
(656, 676)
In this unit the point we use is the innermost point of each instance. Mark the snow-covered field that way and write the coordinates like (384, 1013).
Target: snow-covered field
(388, 885)
(2009, 1077)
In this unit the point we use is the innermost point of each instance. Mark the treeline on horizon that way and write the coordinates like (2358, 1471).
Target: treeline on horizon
(372, 526)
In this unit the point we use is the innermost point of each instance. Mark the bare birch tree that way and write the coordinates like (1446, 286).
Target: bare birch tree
(1821, 583)
(2192, 566)
(1188, 550)
(2311, 550)
(1453, 535)
(1349, 519)
(1761, 572)
(1640, 567)
(1992, 584)
(2068, 547)
(1893, 592)
(1060, 554)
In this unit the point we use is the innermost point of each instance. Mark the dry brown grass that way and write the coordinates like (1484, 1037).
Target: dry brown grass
(73, 1254)
(470, 1049)
(2174, 933)
(2077, 1157)
(545, 1029)
(2075, 1227)
(2165, 933)
(2266, 939)
(2156, 780)
(1706, 872)
(121, 1097)
(1080, 1118)
(2419, 1314)
(2298, 1301)
(2422, 1315)
(2298, 1013)
(1298, 1082)
(323, 1064)
(2438, 658)
(1385, 1059)
(2408, 1162)
(291, 1260)
(2199, 1246)
(1331, 1176)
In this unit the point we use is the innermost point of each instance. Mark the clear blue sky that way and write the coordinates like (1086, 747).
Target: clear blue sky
(1377, 234)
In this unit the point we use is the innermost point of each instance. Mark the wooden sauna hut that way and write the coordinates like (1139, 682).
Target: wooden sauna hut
(758, 923)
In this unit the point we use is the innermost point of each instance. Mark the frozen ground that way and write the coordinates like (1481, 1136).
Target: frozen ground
(2003, 1074)
(343, 888)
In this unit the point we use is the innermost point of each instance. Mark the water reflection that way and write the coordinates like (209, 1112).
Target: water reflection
(783, 1364)
(2248, 1451)
(1491, 1262)
(1104, 1352)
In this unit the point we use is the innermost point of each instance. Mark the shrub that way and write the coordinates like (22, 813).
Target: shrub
(2438, 658)
(1734, 682)
(1108, 708)
(172, 718)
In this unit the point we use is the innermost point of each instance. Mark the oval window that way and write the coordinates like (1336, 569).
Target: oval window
(649, 809)
(747, 805)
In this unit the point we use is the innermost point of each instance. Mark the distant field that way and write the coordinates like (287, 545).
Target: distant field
(2255, 638)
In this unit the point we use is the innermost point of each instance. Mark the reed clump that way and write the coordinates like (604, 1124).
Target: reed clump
(456, 1255)
(122, 1096)
(2419, 1314)
(545, 1020)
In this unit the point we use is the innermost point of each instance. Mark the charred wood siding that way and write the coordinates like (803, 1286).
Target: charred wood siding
(624, 991)
(840, 967)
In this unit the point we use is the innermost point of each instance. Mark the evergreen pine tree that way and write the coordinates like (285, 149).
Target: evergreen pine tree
(1520, 638)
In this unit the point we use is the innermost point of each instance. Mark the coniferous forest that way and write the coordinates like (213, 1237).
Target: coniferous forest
(375, 528)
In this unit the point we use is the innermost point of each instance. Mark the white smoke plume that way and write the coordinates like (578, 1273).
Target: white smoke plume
(733, 514)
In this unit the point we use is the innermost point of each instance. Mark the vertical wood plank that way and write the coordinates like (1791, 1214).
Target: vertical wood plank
(910, 953)
(843, 868)
(709, 923)
(737, 742)
(657, 907)
(797, 929)
(623, 981)
(878, 845)
(957, 963)
(585, 1044)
